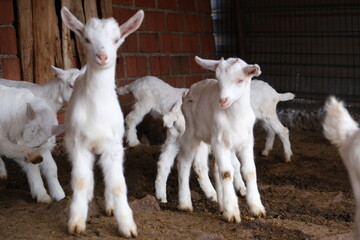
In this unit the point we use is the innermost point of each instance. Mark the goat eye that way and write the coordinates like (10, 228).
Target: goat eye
(239, 81)
(87, 40)
(116, 40)
(71, 86)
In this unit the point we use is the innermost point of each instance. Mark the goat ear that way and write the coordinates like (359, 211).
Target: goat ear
(207, 64)
(30, 113)
(132, 24)
(252, 70)
(57, 130)
(83, 69)
(60, 73)
(72, 22)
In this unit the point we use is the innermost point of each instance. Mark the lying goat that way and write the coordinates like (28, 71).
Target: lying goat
(27, 124)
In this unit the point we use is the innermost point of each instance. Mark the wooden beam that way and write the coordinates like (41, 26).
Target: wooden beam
(106, 8)
(67, 50)
(90, 9)
(44, 51)
(26, 39)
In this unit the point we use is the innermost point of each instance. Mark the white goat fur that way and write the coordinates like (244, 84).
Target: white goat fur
(228, 127)
(344, 133)
(94, 122)
(151, 95)
(56, 92)
(27, 125)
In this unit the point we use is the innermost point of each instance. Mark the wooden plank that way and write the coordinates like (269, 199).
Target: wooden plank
(78, 11)
(57, 41)
(90, 9)
(26, 39)
(106, 8)
(43, 12)
(67, 50)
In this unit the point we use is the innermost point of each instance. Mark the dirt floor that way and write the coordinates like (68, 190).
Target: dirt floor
(309, 198)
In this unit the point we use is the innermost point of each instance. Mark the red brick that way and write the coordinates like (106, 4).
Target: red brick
(11, 68)
(178, 82)
(204, 6)
(175, 22)
(187, 5)
(7, 41)
(154, 21)
(190, 43)
(171, 43)
(192, 79)
(167, 4)
(120, 68)
(145, 3)
(207, 43)
(131, 44)
(207, 24)
(149, 42)
(159, 65)
(123, 2)
(136, 66)
(7, 12)
(194, 67)
(193, 23)
(122, 15)
(179, 65)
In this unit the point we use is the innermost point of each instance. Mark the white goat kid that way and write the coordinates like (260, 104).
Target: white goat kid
(27, 124)
(151, 95)
(94, 122)
(264, 99)
(344, 133)
(56, 92)
(227, 127)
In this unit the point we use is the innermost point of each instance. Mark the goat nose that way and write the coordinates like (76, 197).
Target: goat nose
(223, 101)
(103, 57)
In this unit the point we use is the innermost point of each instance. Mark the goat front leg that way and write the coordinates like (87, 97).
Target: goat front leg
(238, 181)
(111, 162)
(3, 172)
(270, 138)
(35, 181)
(81, 183)
(248, 171)
(201, 168)
(185, 159)
(167, 157)
(231, 211)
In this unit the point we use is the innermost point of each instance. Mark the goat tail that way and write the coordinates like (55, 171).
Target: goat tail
(286, 96)
(338, 125)
(123, 90)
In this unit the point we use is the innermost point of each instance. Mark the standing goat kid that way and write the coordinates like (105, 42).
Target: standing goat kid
(218, 112)
(27, 126)
(151, 95)
(344, 133)
(94, 122)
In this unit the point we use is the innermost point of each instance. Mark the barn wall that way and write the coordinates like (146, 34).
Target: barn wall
(9, 61)
(173, 32)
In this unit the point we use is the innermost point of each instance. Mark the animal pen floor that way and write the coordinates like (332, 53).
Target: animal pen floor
(309, 198)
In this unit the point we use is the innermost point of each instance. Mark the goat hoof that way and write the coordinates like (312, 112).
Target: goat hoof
(3, 177)
(129, 232)
(110, 212)
(258, 210)
(232, 218)
(44, 199)
(185, 208)
(76, 229)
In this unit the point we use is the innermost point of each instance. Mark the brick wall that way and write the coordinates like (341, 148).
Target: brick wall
(172, 33)
(9, 61)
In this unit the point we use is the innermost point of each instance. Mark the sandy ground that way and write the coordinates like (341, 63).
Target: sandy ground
(309, 198)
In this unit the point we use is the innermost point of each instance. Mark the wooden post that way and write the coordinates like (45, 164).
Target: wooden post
(43, 12)
(78, 11)
(106, 8)
(67, 50)
(90, 9)
(26, 39)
